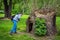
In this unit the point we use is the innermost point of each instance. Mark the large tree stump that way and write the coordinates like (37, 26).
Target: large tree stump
(50, 18)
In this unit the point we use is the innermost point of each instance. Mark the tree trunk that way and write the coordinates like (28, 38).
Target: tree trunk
(7, 8)
(51, 25)
(10, 8)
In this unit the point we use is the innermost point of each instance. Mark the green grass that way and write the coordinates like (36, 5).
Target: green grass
(58, 23)
(1, 15)
(6, 25)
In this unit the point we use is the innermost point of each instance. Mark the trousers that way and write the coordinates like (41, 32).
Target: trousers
(14, 26)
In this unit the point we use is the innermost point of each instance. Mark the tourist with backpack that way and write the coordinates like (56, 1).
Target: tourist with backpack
(15, 19)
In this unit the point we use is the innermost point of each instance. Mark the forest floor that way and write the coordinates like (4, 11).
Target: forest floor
(6, 25)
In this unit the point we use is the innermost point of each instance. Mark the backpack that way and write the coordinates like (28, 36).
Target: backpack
(12, 17)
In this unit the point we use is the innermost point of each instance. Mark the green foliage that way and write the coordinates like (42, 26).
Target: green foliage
(40, 27)
(16, 9)
(26, 5)
(58, 25)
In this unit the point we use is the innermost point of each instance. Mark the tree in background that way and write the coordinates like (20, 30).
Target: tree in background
(7, 8)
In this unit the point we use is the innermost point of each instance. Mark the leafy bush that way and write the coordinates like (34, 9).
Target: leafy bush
(40, 27)
(16, 9)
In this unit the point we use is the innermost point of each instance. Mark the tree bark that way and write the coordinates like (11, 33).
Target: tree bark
(10, 8)
(31, 23)
(51, 26)
(7, 8)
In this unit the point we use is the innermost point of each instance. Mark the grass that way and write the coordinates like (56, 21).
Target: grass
(58, 23)
(6, 25)
(1, 15)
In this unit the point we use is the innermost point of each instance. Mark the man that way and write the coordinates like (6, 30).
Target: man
(16, 18)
